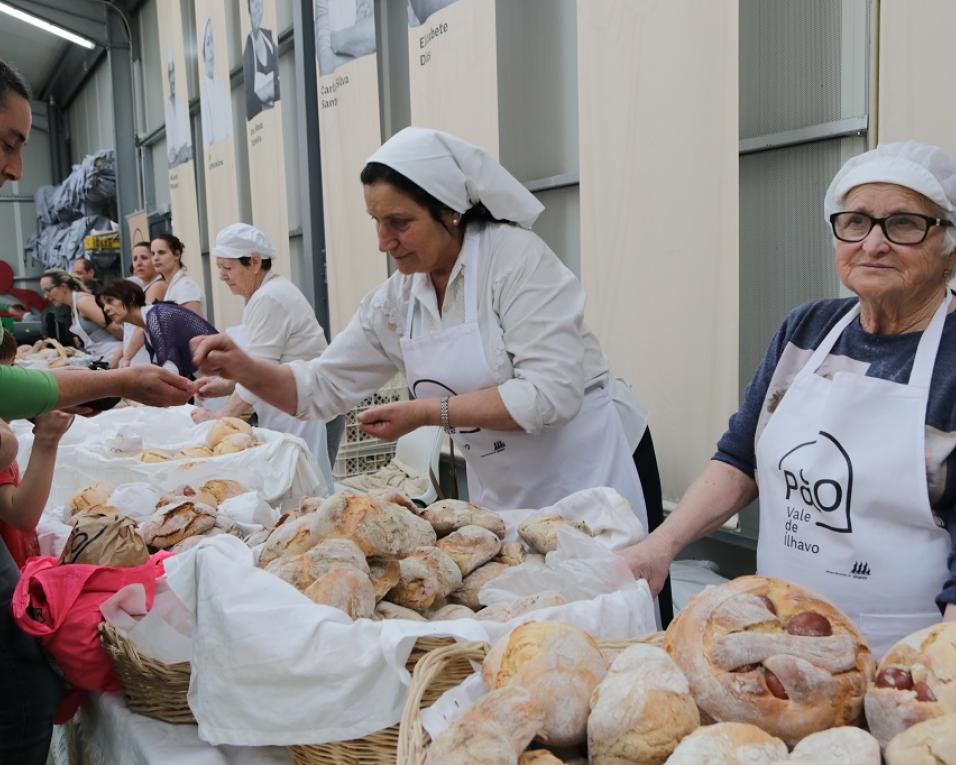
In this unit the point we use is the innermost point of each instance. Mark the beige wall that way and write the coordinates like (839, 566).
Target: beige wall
(659, 212)
(917, 78)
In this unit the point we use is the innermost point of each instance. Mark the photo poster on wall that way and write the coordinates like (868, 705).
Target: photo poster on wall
(453, 68)
(345, 45)
(260, 72)
(219, 145)
(183, 203)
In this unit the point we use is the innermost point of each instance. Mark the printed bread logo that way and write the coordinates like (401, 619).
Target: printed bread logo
(861, 569)
(818, 484)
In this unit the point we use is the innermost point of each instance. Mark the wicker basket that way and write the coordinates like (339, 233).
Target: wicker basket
(431, 673)
(150, 687)
(379, 748)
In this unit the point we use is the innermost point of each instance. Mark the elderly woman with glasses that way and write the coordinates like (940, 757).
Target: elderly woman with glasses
(847, 431)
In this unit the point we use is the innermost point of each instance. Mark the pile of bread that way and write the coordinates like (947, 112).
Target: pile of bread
(754, 671)
(49, 350)
(181, 518)
(378, 555)
(229, 435)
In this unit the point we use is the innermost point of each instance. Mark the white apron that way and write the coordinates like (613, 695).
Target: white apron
(97, 350)
(844, 506)
(508, 470)
(142, 355)
(310, 431)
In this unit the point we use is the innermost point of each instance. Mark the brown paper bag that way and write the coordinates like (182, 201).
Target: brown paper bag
(104, 539)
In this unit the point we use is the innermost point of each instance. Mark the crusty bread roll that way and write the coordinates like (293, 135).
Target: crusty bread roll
(379, 528)
(309, 505)
(97, 493)
(194, 452)
(225, 427)
(641, 710)
(393, 495)
(471, 585)
(512, 554)
(100, 510)
(385, 573)
(931, 742)
(505, 612)
(174, 523)
(728, 743)
(154, 455)
(539, 757)
(291, 538)
(346, 588)
(451, 611)
(915, 681)
(294, 569)
(470, 547)
(233, 444)
(387, 610)
(494, 731)
(838, 746)
(560, 665)
(186, 493)
(223, 489)
(449, 515)
(335, 553)
(771, 653)
(540, 532)
(428, 576)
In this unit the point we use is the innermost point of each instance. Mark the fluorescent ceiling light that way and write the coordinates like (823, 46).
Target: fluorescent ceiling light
(46, 26)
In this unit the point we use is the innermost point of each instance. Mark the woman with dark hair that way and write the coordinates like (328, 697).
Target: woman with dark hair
(486, 324)
(144, 274)
(167, 251)
(168, 327)
(100, 340)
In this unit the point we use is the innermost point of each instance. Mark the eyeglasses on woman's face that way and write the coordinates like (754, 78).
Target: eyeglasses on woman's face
(898, 228)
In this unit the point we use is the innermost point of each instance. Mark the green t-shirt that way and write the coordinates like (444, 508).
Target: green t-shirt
(26, 392)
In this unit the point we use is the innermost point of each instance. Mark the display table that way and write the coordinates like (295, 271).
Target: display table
(105, 732)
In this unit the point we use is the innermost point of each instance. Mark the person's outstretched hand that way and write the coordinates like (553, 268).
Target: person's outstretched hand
(218, 355)
(156, 386)
(649, 559)
(392, 421)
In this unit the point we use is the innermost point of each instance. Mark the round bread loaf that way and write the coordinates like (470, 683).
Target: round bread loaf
(451, 611)
(471, 585)
(385, 573)
(512, 554)
(223, 489)
(291, 538)
(97, 493)
(838, 746)
(505, 612)
(428, 576)
(154, 455)
(346, 588)
(225, 427)
(729, 743)
(173, 523)
(540, 532)
(931, 742)
(233, 444)
(194, 452)
(470, 547)
(449, 515)
(773, 654)
(379, 528)
(385, 609)
(539, 757)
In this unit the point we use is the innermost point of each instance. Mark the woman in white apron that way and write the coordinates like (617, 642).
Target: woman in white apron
(100, 339)
(167, 251)
(850, 420)
(485, 323)
(146, 277)
(278, 324)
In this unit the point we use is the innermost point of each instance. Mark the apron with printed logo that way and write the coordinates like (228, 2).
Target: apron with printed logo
(508, 470)
(844, 505)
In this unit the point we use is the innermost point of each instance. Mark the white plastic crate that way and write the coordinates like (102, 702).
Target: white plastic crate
(361, 462)
(395, 390)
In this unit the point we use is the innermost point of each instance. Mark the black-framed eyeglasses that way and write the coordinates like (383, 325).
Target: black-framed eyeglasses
(899, 228)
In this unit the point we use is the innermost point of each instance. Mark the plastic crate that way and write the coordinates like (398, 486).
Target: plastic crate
(349, 464)
(395, 390)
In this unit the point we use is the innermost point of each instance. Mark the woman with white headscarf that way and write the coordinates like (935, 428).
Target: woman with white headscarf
(487, 326)
(847, 430)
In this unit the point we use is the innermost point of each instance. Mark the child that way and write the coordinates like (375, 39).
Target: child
(22, 500)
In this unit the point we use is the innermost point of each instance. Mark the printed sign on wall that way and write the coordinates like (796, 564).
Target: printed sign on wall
(219, 146)
(345, 45)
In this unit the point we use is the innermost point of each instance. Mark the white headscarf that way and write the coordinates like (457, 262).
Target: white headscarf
(458, 174)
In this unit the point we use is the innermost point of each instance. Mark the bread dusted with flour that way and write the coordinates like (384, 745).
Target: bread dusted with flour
(385, 573)
(470, 547)
(346, 588)
(471, 585)
(729, 743)
(449, 515)
(915, 681)
(540, 532)
(291, 538)
(379, 528)
(95, 494)
(223, 489)
(505, 612)
(768, 652)
(845, 745)
(172, 524)
(428, 576)
(932, 742)
(641, 710)
(225, 427)
(560, 665)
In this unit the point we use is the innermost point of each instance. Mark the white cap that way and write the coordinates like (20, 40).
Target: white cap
(240, 240)
(920, 167)
(458, 174)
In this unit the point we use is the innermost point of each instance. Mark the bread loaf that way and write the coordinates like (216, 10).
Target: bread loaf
(427, 576)
(449, 515)
(232, 444)
(388, 610)
(98, 493)
(346, 588)
(187, 493)
(505, 612)
(540, 532)
(729, 743)
(470, 547)
(915, 681)
(931, 742)
(771, 653)
(378, 528)
(223, 489)
(224, 428)
(291, 538)
(385, 573)
(641, 710)
(560, 665)
(451, 611)
(173, 523)
(194, 452)
(512, 554)
(154, 455)
(838, 746)
(335, 553)
(538, 757)
(494, 731)
(471, 585)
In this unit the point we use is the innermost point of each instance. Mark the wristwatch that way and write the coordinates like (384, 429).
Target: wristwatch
(443, 416)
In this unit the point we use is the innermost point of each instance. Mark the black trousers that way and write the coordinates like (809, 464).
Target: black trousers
(645, 460)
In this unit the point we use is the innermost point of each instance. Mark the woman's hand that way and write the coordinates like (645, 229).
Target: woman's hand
(392, 421)
(214, 387)
(156, 386)
(49, 428)
(650, 559)
(218, 355)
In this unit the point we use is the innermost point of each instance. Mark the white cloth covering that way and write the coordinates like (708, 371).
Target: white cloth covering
(458, 173)
(531, 318)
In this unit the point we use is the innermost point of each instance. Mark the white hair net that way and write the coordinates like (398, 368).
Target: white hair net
(921, 167)
(240, 240)
(458, 174)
